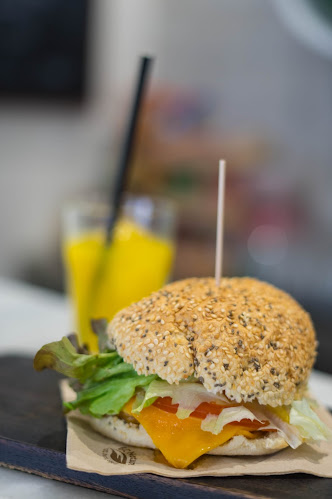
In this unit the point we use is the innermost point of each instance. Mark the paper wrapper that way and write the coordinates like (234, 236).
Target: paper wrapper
(91, 452)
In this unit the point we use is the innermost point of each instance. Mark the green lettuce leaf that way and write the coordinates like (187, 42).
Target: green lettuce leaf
(62, 357)
(105, 382)
(110, 396)
(112, 401)
(304, 418)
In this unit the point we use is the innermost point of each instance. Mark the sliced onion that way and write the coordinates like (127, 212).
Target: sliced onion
(287, 431)
(215, 424)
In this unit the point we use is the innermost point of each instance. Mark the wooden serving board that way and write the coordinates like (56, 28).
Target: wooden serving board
(33, 439)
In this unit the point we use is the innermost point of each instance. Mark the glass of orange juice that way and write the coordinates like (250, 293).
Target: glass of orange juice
(137, 261)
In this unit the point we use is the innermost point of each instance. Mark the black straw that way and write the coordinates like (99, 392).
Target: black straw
(121, 178)
(128, 147)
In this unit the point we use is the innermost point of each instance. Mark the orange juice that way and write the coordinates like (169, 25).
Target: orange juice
(137, 263)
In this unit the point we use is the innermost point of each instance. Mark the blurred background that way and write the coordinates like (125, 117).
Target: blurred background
(246, 81)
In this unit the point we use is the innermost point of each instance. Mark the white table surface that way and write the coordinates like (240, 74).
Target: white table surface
(31, 317)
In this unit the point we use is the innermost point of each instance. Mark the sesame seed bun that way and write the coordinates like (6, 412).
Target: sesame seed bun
(134, 434)
(244, 338)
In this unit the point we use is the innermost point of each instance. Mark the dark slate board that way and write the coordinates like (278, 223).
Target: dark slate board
(33, 439)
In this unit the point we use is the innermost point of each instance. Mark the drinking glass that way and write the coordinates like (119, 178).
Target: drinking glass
(137, 261)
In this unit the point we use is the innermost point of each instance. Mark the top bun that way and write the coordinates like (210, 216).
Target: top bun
(244, 338)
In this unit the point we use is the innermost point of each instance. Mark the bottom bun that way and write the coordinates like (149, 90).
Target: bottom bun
(134, 434)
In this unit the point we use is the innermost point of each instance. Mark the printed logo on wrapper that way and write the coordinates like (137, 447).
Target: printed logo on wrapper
(120, 455)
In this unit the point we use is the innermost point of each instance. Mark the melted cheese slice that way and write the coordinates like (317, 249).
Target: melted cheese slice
(181, 441)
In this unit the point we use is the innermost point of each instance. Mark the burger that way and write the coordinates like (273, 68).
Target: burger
(196, 369)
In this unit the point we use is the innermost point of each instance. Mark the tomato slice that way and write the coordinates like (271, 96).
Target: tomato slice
(201, 411)
(205, 408)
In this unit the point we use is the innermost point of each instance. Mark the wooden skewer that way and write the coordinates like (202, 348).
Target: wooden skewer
(220, 221)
